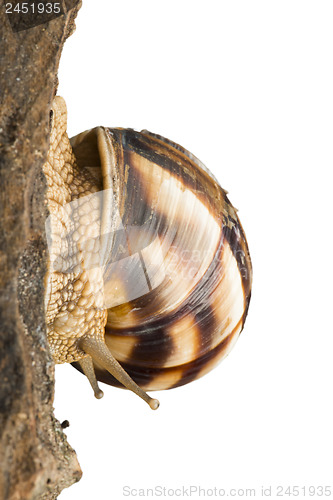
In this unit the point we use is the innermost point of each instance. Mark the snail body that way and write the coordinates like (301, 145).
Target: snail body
(149, 275)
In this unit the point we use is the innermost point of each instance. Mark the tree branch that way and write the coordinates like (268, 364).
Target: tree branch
(36, 461)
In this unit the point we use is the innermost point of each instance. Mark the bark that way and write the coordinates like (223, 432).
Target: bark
(36, 462)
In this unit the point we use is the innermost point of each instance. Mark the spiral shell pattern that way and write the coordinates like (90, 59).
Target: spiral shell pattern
(177, 274)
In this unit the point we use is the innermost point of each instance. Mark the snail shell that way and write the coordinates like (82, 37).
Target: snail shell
(150, 261)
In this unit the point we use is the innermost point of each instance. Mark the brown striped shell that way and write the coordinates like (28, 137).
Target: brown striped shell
(177, 277)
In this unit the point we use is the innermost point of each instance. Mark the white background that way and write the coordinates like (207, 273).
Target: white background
(247, 86)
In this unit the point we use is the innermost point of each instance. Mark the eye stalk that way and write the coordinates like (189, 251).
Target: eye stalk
(99, 352)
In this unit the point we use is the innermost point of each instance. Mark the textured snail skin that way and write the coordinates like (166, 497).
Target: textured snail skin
(149, 276)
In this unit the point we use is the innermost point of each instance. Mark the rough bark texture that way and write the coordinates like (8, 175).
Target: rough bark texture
(36, 461)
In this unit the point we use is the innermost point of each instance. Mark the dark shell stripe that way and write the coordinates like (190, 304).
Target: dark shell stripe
(234, 233)
(152, 347)
(211, 358)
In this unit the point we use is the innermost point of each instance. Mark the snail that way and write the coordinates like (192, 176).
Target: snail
(149, 274)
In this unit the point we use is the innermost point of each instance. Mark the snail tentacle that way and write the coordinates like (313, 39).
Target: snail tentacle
(99, 352)
(88, 369)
